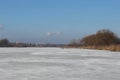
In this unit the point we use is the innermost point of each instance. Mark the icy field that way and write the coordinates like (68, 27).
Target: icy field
(58, 64)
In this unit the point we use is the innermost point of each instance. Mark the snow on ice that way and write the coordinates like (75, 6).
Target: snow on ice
(58, 64)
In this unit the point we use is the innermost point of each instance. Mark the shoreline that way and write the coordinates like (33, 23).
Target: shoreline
(115, 48)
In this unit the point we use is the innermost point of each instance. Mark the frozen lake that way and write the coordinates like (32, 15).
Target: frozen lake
(58, 64)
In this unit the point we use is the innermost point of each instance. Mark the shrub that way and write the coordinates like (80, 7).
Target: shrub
(101, 38)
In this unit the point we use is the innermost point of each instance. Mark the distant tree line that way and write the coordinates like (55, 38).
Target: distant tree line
(102, 37)
(7, 43)
(4, 42)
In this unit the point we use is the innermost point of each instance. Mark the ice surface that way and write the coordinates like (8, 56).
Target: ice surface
(58, 64)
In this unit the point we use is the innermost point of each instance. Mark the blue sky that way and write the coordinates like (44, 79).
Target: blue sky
(56, 21)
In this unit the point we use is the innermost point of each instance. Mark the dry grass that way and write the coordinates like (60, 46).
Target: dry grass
(110, 48)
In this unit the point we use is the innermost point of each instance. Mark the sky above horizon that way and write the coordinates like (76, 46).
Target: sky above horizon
(56, 21)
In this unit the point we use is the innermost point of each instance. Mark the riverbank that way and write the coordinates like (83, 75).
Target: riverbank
(110, 48)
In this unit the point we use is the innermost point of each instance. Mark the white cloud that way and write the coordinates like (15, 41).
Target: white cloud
(58, 33)
(53, 34)
(49, 34)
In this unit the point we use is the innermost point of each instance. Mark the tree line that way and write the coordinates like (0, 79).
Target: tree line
(7, 43)
(102, 37)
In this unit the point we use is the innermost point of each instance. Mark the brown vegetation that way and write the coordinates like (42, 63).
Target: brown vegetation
(103, 40)
(110, 47)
